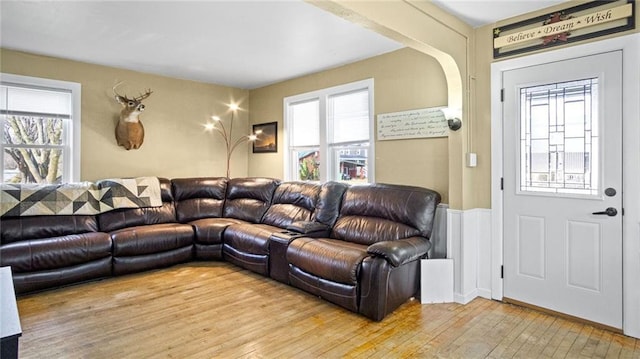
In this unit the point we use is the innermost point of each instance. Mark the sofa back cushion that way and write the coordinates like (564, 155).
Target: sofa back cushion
(197, 198)
(382, 212)
(292, 201)
(329, 202)
(248, 199)
(15, 229)
(121, 218)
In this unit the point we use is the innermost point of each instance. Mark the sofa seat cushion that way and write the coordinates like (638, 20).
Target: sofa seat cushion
(210, 230)
(250, 238)
(57, 252)
(331, 259)
(149, 239)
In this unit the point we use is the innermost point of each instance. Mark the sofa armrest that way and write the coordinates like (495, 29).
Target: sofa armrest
(309, 228)
(401, 251)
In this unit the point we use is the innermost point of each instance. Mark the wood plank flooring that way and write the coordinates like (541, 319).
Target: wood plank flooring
(217, 310)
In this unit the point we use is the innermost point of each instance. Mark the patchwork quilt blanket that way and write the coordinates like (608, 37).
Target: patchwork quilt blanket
(79, 198)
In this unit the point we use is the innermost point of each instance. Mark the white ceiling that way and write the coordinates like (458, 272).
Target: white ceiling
(482, 12)
(244, 44)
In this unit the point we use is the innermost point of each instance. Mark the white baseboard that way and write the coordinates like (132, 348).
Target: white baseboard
(466, 298)
(484, 293)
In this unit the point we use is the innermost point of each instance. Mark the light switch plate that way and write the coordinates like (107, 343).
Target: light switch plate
(472, 159)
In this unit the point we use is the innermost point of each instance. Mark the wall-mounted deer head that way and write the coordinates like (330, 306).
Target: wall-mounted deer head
(129, 131)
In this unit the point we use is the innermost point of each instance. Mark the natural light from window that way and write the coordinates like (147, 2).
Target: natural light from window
(328, 134)
(40, 125)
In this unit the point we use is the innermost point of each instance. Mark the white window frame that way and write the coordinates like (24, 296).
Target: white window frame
(291, 164)
(71, 129)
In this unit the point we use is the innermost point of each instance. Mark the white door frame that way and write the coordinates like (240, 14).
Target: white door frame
(630, 46)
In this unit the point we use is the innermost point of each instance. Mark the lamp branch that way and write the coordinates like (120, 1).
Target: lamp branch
(227, 136)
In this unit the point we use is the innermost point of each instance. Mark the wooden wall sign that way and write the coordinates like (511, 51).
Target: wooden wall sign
(578, 23)
(422, 123)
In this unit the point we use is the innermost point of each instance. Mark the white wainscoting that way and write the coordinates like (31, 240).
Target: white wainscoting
(469, 245)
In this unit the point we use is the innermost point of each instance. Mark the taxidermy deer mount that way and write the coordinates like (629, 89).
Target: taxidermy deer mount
(129, 130)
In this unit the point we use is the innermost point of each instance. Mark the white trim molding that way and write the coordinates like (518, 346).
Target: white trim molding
(468, 244)
(630, 47)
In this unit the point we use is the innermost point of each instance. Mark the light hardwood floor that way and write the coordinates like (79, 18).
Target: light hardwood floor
(216, 310)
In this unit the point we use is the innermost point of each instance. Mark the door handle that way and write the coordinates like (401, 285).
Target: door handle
(611, 212)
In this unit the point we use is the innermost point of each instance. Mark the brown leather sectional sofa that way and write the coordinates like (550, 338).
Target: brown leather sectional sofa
(356, 246)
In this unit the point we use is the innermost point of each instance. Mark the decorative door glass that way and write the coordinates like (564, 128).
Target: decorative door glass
(559, 151)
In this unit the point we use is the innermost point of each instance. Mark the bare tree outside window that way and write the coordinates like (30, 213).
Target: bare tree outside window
(40, 124)
(33, 149)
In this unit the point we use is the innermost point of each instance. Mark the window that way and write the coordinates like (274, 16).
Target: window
(40, 121)
(559, 138)
(329, 134)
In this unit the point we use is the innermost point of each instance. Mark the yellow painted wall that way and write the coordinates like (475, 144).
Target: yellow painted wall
(175, 143)
(403, 80)
(421, 25)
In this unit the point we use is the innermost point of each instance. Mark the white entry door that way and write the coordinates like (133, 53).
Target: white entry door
(562, 139)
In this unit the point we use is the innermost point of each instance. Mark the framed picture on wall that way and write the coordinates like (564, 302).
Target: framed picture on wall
(267, 139)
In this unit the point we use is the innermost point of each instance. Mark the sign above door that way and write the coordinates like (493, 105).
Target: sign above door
(574, 24)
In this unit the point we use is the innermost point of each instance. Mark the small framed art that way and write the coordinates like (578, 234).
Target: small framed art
(267, 138)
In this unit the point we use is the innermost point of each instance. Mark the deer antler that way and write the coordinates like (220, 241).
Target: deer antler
(126, 98)
(119, 97)
(143, 96)
(114, 88)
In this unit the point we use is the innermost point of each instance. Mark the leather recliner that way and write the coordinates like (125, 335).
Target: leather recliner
(50, 251)
(200, 203)
(146, 238)
(247, 244)
(370, 262)
(247, 201)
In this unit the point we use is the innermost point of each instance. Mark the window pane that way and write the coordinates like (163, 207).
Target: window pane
(32, 130)
(349, 116)
(32, 165)
(351, 163)
(308, 165)
(559, 138)
(305, 124)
